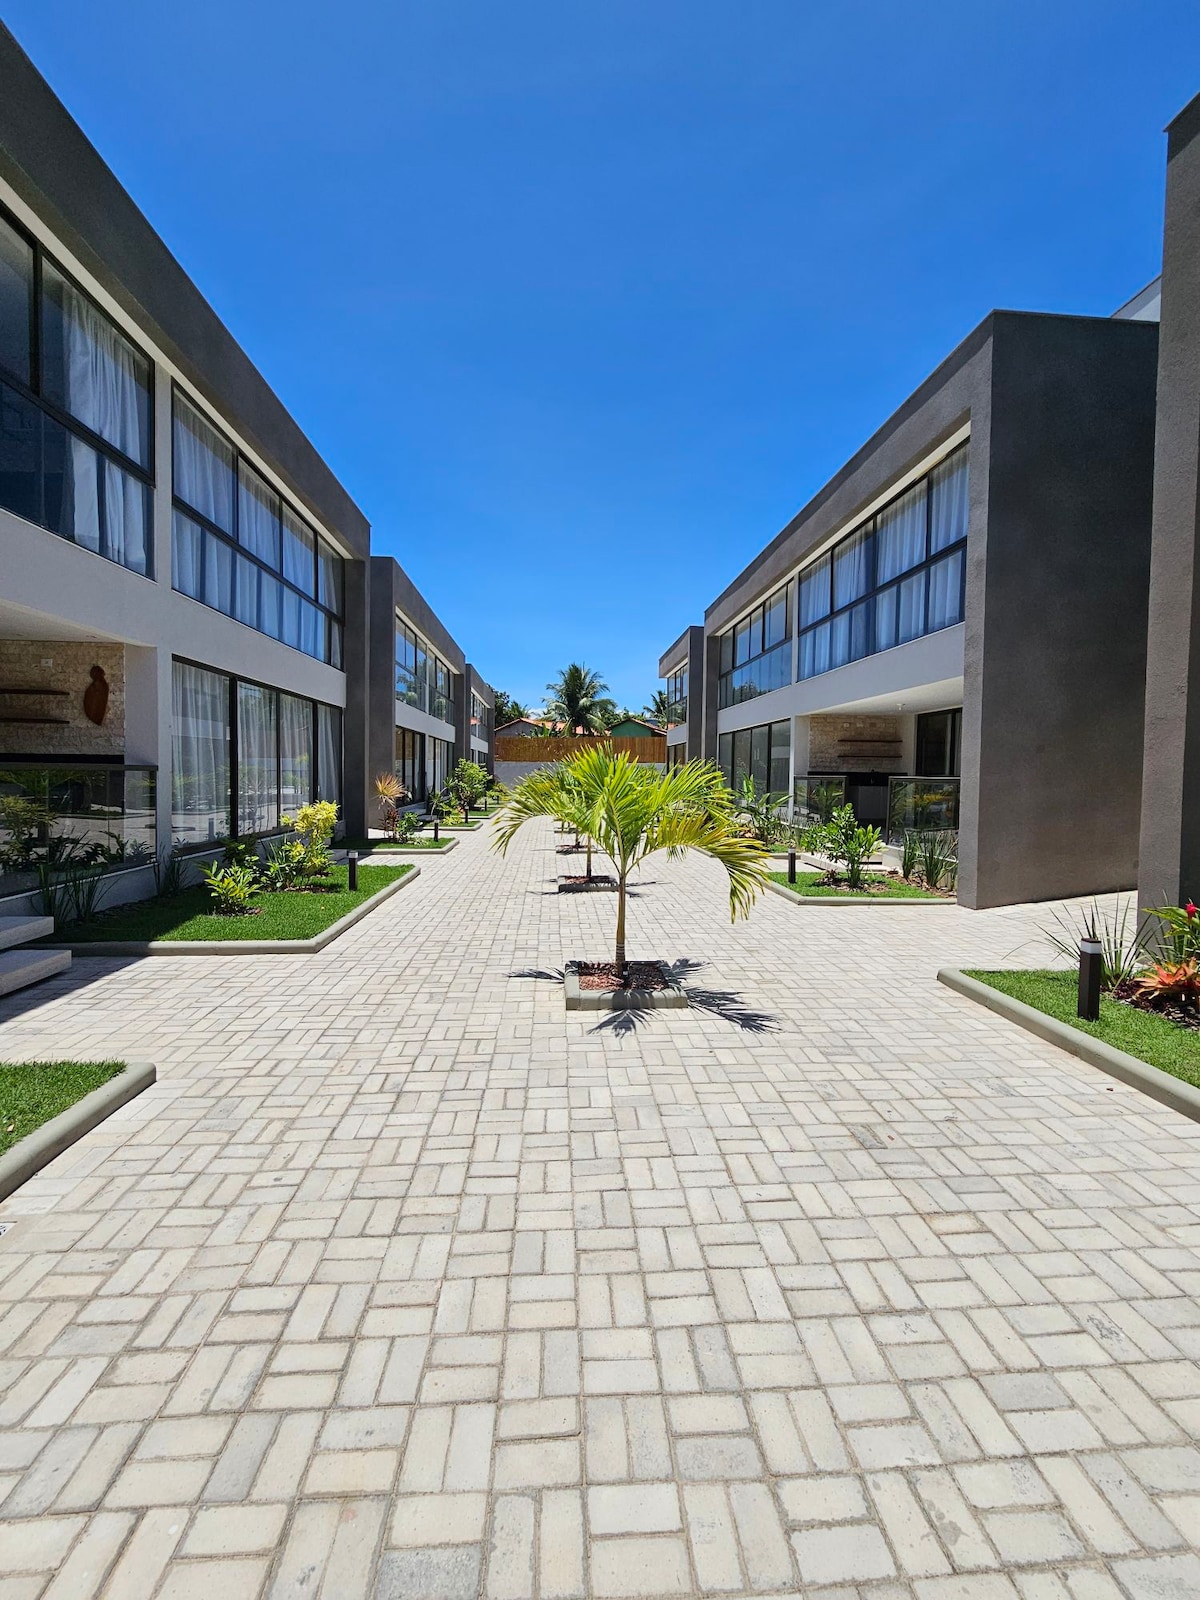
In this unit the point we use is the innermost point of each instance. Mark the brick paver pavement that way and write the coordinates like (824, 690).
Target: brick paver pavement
(402, 1283)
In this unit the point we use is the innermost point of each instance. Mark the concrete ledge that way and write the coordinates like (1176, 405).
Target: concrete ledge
(38, 1149)
(242, 947)
(845, 900)
(373, 857)
(1159, 1085)
(672, 998)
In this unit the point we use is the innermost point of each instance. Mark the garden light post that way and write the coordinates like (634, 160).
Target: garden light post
(435, 828)
(352, 868)
(791, 863)
(1091, 969)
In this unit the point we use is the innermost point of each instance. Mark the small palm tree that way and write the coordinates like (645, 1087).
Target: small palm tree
(632, 811)
(577, 699)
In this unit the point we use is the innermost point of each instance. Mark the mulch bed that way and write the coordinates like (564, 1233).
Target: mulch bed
(1181, 1016)
(638, 975)
(581, 885)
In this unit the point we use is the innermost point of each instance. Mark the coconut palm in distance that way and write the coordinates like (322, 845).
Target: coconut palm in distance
(577, 699)
(659, 709)
(633, 811)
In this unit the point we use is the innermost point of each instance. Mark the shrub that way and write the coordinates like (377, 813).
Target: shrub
(1121, 937)
(390, 795)
(761, 811)
(844, 840)
(910, 853)
(287, 866)
(315, 824)
(1179, 935)
(232, 888)
(938, 854)
(406, 828)
(1170, 983)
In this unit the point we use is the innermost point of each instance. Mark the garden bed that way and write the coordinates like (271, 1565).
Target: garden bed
(286, 920)
(45, 1106)
(420, 843)
(582, 884)
(1140, 1048)
(878, 887)
(648, 985)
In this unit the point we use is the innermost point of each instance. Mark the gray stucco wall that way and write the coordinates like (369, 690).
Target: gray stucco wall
(1169, 869)
(1054, 661)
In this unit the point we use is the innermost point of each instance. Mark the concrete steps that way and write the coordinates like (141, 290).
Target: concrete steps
(19, 968)
(23, 930)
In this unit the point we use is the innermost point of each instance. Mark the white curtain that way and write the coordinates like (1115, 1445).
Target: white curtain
(951, 491)
(199, 754)
(945, 592)
(258, 517)
(295, 752)
(900, 535)
(104, 380)
(203, 467)
(258, 750)
(125, 518)
(298, 559)
(329, 753)
(187, 543)
(851, 569)
(80, 493)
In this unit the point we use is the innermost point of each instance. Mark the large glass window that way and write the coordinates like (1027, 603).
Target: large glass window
(423, 679)
(756, 654)
(677, 696)
(481, 719)
(240, 548)
(288, 752)
(900, 576)
(762, 753)
(939, 739)
(410, 762)
(75, 411)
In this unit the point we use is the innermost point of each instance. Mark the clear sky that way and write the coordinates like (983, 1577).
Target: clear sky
(582, 299)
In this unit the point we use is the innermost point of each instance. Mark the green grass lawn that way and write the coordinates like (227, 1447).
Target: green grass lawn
(370, 847)
(808, 885)
(32, 1092)
(189, 915)
(1139, 1033)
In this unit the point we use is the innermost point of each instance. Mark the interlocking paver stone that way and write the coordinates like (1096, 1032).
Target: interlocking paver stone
(404, 1281)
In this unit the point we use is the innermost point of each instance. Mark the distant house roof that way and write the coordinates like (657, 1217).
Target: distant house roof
(635, 728)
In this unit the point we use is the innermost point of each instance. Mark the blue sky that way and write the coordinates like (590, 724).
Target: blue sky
(582, 301)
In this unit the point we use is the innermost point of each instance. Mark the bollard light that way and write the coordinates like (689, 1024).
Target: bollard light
(352, 868)
(1091, 970)
(435, 828)
(791, 863)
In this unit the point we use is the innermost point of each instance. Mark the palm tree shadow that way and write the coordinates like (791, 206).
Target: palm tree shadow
(554, 975)
(723, 1003)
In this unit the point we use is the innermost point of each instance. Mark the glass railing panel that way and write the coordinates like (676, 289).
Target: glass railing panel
(815, 799)
(59, 816)
(921, 805)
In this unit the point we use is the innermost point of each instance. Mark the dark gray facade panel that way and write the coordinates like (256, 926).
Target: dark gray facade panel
(1169, 868)
(51, 164)
(356, 650)
(1056, 609)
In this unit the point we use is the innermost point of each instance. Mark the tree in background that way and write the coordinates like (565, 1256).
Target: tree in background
(578, 700)
(508, 709)
(658, 708)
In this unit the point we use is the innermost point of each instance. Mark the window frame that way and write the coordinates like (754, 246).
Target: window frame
(31, 391)
(330, 618)
(233, 681)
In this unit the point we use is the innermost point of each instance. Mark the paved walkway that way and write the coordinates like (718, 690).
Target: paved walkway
(401, 1284)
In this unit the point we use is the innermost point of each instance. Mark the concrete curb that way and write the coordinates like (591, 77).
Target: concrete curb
(838, 902)
(38, 1149)
(673, 998)
(1159, 1085)
(374, 856)
(241, 947)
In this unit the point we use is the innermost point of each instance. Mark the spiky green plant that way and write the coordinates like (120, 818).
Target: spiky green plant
(632, 811)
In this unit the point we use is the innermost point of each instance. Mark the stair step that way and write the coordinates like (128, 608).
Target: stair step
(24, 930)
(19, 968)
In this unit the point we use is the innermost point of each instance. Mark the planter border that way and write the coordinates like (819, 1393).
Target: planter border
(429, 851)
(39, 1148)
(672, 998)
(1153, 1081)
(847, 900)
(235, 947)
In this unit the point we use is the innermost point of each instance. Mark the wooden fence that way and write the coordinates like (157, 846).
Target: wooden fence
(514, 747)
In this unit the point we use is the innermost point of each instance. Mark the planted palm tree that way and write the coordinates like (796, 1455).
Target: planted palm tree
(577, 699)
(632, 811)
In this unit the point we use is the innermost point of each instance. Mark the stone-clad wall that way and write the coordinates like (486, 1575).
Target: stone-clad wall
(834, 744)
(21, 666)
